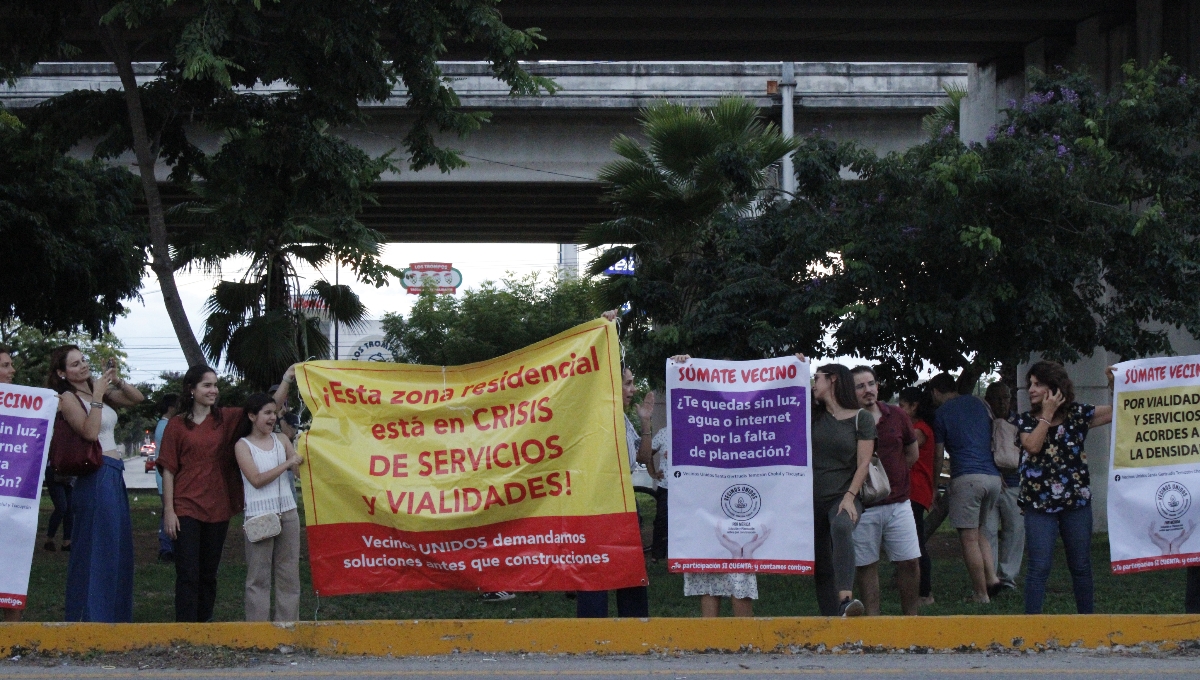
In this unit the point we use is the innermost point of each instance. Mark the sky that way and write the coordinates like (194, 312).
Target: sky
(153, 348)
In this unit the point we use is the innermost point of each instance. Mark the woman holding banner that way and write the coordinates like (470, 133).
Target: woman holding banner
(843, 440)
(100, 571)
(7, 371)
(741, 588)
(266, 461)
(1055, 489)
(201, 490)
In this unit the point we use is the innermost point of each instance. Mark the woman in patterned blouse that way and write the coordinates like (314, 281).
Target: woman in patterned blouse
(1055, 491)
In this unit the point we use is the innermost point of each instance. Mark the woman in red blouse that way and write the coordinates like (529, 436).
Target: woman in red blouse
(918, 404)
(202, 490)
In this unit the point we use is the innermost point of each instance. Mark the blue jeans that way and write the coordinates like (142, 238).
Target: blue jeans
(1075, 527)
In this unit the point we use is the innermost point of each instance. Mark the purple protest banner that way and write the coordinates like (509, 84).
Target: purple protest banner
(741, 474)
(26, 426)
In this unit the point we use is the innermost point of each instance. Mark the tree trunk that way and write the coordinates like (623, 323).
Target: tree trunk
(147, 158)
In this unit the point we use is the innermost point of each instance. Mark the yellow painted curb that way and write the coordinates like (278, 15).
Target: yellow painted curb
(614, 636)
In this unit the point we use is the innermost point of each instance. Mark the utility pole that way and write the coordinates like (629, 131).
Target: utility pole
(787, 92)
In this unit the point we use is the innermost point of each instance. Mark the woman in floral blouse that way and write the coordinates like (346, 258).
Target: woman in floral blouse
(1055, 491)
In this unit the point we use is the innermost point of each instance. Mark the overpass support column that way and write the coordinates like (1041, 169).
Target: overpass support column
(1149, 31)
(977, 114)
(787, 92)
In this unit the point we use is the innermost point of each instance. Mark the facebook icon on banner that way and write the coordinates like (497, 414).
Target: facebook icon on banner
(621, 268)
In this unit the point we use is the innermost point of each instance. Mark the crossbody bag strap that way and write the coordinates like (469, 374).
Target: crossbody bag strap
(288, 473)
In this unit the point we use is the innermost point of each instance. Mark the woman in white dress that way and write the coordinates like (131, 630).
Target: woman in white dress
(266, 461)
(740, 588)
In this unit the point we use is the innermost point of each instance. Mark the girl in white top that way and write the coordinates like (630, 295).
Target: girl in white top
(266, 461)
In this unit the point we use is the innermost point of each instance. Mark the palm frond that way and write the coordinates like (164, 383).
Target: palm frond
(343, 305)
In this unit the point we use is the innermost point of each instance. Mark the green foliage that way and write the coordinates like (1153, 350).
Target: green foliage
(1074, 227)
(254, 324)
(708, 280)
(445, 330)
(338, 55)
(276, 166)
(72, 247)
(946, 116)
(32, 347)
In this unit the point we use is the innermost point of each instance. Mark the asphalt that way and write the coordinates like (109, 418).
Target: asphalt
(1043, 666)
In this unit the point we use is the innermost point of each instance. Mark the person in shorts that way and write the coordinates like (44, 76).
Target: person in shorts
(888, 524)
(963, 428)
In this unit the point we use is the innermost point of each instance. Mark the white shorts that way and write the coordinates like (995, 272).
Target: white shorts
(891, 526)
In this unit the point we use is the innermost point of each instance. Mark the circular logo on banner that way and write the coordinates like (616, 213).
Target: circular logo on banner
(1173, 500)
(741, 502)
(372, 349)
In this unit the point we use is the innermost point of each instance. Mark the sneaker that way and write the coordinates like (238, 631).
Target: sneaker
(1009, 584)
(850, 607)
(994, 589)
(500, 596)
(66, 547)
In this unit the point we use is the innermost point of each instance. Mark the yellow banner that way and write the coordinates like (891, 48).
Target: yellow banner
(459, 467)
(1157, 427)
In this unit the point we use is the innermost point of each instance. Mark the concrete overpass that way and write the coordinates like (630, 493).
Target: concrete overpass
(532, 173)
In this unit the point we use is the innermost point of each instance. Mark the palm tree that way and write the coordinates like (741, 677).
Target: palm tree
(256, 324)
(680, 200)
(280, 191)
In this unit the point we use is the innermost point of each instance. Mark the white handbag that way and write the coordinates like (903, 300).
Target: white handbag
(876, 486)
(262, 527)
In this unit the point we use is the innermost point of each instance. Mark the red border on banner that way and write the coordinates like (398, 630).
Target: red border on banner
(1159, 563)
(11, 601)
(608, 556)
(790, 567)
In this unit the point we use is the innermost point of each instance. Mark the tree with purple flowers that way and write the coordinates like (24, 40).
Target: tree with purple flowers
(1074, 227)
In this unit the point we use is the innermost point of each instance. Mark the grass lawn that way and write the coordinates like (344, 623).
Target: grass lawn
(154, 583)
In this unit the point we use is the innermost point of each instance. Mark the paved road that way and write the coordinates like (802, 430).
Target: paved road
(1050, 666)
(136, 477)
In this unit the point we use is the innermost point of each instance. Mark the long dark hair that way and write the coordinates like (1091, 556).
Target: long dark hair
(843, 388)
(186, 399)
(58, 362)
(254, 404)
(924, 401)
(1052, 375)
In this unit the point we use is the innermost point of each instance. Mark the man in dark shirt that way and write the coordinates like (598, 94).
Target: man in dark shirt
(888, 524)
(963, 428)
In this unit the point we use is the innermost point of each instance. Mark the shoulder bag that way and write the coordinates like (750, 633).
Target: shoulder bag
(268, 525)
(1005, 452)
(876, 486)
(70, 454)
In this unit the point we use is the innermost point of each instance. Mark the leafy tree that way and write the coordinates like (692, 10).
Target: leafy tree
(335, 55)
(72, 246)
(707, 281)
(444, 330)
(1074, 227)
(31, 350)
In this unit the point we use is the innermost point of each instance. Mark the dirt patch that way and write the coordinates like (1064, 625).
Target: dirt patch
(181, 656)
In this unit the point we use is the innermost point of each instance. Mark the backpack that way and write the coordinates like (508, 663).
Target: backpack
(1005, 451)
